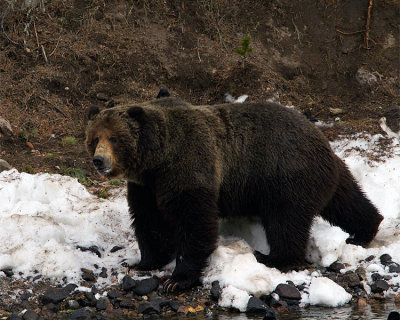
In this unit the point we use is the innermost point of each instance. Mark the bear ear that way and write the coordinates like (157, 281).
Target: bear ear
(135, 112)
(93, 111)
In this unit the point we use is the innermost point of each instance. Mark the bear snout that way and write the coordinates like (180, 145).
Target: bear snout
(98, 162)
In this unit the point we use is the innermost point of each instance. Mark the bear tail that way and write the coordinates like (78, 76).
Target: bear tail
(351, 210)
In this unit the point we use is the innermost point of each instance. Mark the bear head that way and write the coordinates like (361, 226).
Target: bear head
(119, 140)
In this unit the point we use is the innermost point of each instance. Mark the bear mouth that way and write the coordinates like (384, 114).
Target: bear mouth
(104, 170)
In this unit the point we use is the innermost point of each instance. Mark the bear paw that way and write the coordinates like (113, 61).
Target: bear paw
(172, 285)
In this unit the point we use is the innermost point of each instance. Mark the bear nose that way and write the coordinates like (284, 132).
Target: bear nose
(98, 161)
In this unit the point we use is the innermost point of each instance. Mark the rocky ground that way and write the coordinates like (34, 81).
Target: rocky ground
(37, 298)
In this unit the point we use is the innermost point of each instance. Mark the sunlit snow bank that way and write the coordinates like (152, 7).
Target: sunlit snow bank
(44, 218)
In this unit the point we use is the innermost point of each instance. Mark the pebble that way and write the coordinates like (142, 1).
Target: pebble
(352, 279)
(287, 291)
(394, 268)
(30, 315)
(376, 277)
(255, 305)
(103, 273)
(80, 314)
(56, 295)
(14, 317)
(88, 275)
(8, 272)
(145, 286)
(102, 303)
(215, 290)
(73, 304)
(370, 258)
(336, 267)
(385, 259)
(116, 248)
(379, 286)
(112, 294)
(149, 307)
(128, 283)
(126, 304)
(93, 249)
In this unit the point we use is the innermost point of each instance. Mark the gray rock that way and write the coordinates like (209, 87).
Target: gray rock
(215, 290)
(88, 275)
(80, 314)
(379, 286)
(30, 315)
(112, 294)
(8, 272)
(145, 286)
(126, 304)
(103, 273)
(365, 77)
(270, 315)
(128, 283)
(116, 248)
(102, 303)
(255, 305)
(336, 267)
(73, 304)
(4, 165)
(14, 317)
(394, 268)
(56, 295)
(385, 259)
(5, 127)
(149, 307)
(376, 277)
(287, 291)
(370, 258)
(352, 279)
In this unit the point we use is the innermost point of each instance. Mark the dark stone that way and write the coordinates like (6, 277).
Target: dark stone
(113, 294)
(103, 273)
(394, 315)
(36, 277)
(301, 287)
(394, 268)
(376, 277)
(116, 248)
(128, 283)
(90, 300)
(93, 249)
(174, 305)
(56, 295)
(379, 286)
(80, 314)
(88, 275)
(288, 291)
(215, 290)
(270, 315)
(30, 315)
(126, 304)
(102, 303)
(149, 307)
(163, 93)
(388, 277)
(95, 290)
(8, 272)
(73, 304)
(370, 258)
(25, 296)
(336, 267)
(255, 305)
(14, 317)
(145, 286)
(352, 279)
(385, 259)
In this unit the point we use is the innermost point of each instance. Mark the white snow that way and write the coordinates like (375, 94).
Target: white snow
(325, 292)
(43, 218)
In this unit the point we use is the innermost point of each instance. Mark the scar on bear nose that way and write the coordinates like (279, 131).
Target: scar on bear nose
(98, 161)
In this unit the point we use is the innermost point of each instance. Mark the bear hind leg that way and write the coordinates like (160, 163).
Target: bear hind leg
(287, 238)
(352, 211)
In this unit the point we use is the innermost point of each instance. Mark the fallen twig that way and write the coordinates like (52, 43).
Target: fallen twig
(40, 46)
(349, 33)
(54, 50)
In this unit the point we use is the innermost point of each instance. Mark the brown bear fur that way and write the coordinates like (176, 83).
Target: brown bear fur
(187, 166)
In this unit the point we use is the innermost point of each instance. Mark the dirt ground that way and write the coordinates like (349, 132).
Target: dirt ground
(57, 58)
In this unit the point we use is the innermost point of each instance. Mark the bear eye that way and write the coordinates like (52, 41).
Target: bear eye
(113, 140)
(95, 141)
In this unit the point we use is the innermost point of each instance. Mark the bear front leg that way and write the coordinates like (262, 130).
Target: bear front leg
(155, 233)
(197, 217)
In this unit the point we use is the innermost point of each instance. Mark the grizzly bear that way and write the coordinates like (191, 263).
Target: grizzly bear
(187, 165)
